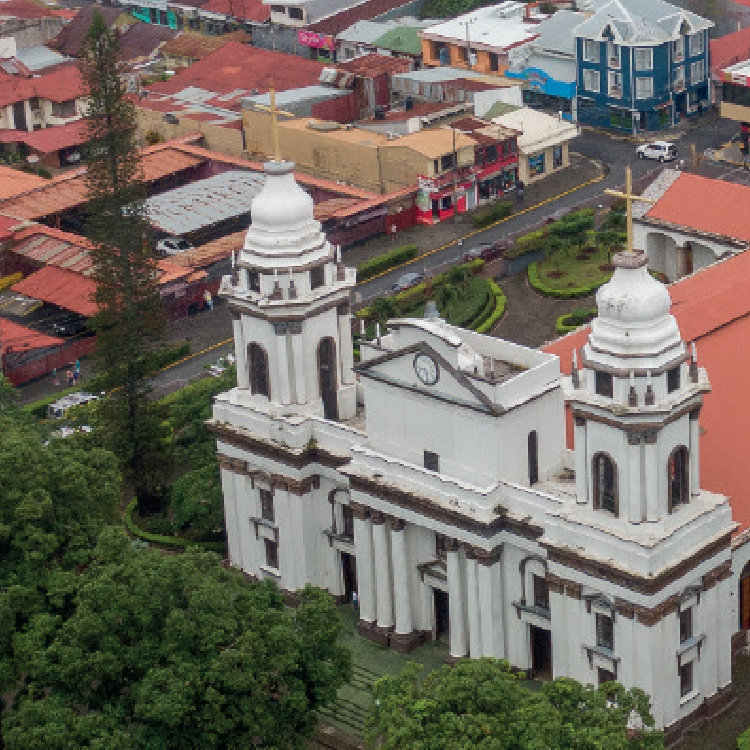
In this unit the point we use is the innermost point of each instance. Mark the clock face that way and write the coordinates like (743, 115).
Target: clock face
(426, 369)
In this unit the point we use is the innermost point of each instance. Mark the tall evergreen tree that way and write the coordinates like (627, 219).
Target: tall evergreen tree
(130, 315)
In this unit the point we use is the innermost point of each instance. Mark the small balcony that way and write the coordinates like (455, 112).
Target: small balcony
(615, 92)
(679, 86)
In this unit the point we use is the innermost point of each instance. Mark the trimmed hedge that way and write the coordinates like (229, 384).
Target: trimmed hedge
(173, 541)
(493, 213)
(743, 741)
(500, 302)
(526, 243)
(386, 261)
(538, 285)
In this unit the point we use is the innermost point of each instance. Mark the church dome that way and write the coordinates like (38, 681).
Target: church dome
(282, 204)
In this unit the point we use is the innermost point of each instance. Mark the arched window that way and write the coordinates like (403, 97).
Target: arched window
(533, 457)
(605, 484)
(678, 478)
(258, 359)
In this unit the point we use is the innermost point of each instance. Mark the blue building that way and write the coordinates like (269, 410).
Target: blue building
(640, 67)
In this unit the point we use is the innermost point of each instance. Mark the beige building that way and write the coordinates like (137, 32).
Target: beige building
(374, 161)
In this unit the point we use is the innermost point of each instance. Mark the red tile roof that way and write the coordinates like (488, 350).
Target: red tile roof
(20, 338)
(60, 84)
(238, 66)
(244, 10)
(71, 36)
(197, 46)
(714, 206)
(50, 139)
(366, 11)
(143, 40)
(368, 66)
(24, 9)
(730, 49)
(60, 287)
(712, 308)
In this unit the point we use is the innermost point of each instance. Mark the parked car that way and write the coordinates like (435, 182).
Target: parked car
(70, 325)
(408, 280)
(173, 246)
(661, 150)
(486, 251)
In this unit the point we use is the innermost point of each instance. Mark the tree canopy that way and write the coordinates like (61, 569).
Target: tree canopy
(481, 705)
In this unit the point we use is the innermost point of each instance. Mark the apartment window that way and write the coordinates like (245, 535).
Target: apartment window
(605, 484)
(679, 78)
(490, 154)
(695, 44)
(441, 53)
(557, 156)
(613, 55)
(272, 554)
(278, 9)
(644, 58)
(644, 88)
(267, 512)
(615, 84)
(678, 49)
(605, 632)
(446, 162)
(317, 277)
(591, 80)
(34, 102)
(590, 51)
(296, 13)
(494, 62)
(64, 109)
(446, 202)
(154, 15)
(697, 71)
(686, 679)
(541, 592)
(536, 164)
(431, 461)
(686, 624)
(673, 379)
(463, 54)
(603, 384)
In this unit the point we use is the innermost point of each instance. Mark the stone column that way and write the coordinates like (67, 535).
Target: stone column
(403, 639)
(635, 512)
(651, 459)
(240, 351)
(473, 605)
(489, 593)
(280, 389)
(345, 347)
(383, 589)
(695, 452)
(363, 549)
(457, 603)
(299, 367)
(230, 512)
(581, 461)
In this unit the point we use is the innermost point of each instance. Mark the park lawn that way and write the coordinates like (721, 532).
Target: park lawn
(575, 272)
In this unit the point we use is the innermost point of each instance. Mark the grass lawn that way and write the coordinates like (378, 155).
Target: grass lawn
(569, 268)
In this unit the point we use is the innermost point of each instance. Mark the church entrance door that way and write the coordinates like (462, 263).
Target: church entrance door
(349, 571)
(327, 376)
(442, 622)
(541, 653)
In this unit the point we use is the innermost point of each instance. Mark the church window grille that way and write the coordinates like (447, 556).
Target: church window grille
(267, 511)
(686, 624)
(431, 461)
(678, 477)
(272, 553)
(258, 370)
(686, 679)
(605, 632)
(533, 453)
(317, 277)
(541, 592)
(605, 484)
(673, 379)
(604, 384)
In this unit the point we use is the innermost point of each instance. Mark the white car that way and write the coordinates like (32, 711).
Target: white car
(660, 150)
(173, 246)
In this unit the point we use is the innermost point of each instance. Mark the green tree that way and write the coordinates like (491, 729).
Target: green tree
(481, 705)
(184, 653)
(130, 316)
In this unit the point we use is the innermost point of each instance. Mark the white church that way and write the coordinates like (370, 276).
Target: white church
(433, 477)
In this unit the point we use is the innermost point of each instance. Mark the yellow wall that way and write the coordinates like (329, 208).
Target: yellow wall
(523, 164)
(735, 112)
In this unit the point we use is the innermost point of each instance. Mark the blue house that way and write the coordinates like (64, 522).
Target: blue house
(640, 67)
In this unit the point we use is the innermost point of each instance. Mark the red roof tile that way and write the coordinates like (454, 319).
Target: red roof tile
(730, 49)
(56, 286)
(143, 39)
(244, 10)
(238, 66)
(60, 84)
(14, 182)
(24, 9)
(712, 307)
(20, 338)
(47, 140)
(369, 66)
(366, 11)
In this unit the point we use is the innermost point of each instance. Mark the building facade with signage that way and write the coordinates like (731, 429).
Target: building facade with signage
(433, 480)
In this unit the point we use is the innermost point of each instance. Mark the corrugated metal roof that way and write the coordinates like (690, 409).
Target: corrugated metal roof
(204, 202)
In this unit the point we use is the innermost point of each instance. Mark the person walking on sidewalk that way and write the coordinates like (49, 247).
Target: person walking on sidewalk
(209, 299)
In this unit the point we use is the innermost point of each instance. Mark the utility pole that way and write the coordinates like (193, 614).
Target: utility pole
(455, 176)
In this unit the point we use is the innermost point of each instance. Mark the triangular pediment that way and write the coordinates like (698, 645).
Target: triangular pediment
(422, 369)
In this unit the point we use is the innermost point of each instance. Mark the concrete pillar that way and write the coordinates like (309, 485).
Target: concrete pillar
(346, 352)
(383, 589)
(635, 512)
(240, 352)
(492, 614)
(457, 603)
(473, 607)
(581, 461)
(245, 530)
(299, 368)
(651, 460)
(695, 453)
(363, 549)
(404, 638)
(230, 516)
(280, 389)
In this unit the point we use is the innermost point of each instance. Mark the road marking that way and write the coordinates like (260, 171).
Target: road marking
(483, 229)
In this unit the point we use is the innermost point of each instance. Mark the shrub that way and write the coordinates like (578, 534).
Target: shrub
(573, 224)
(536, 283)
(527, 243)
(153, 137)
(497, 313)
(491, 214)
(381, 263)
(570, 321)
(743, 741)
(39, 408)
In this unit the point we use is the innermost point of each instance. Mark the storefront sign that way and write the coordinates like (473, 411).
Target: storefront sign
(311, 39)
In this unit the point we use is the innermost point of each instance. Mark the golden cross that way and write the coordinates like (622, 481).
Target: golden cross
(629, 198)
(274, 126)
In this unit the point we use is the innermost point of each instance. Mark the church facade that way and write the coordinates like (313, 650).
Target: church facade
(433, 477)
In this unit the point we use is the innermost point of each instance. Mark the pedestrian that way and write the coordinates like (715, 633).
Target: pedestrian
(209, 300)
(355, 600)
(70, 377)
(519, 191)
(55, 379)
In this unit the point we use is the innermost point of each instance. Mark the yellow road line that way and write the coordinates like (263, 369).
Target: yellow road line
(483, 229)
(192, 356)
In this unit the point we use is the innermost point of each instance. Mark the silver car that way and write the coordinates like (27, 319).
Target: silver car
(660, 150)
